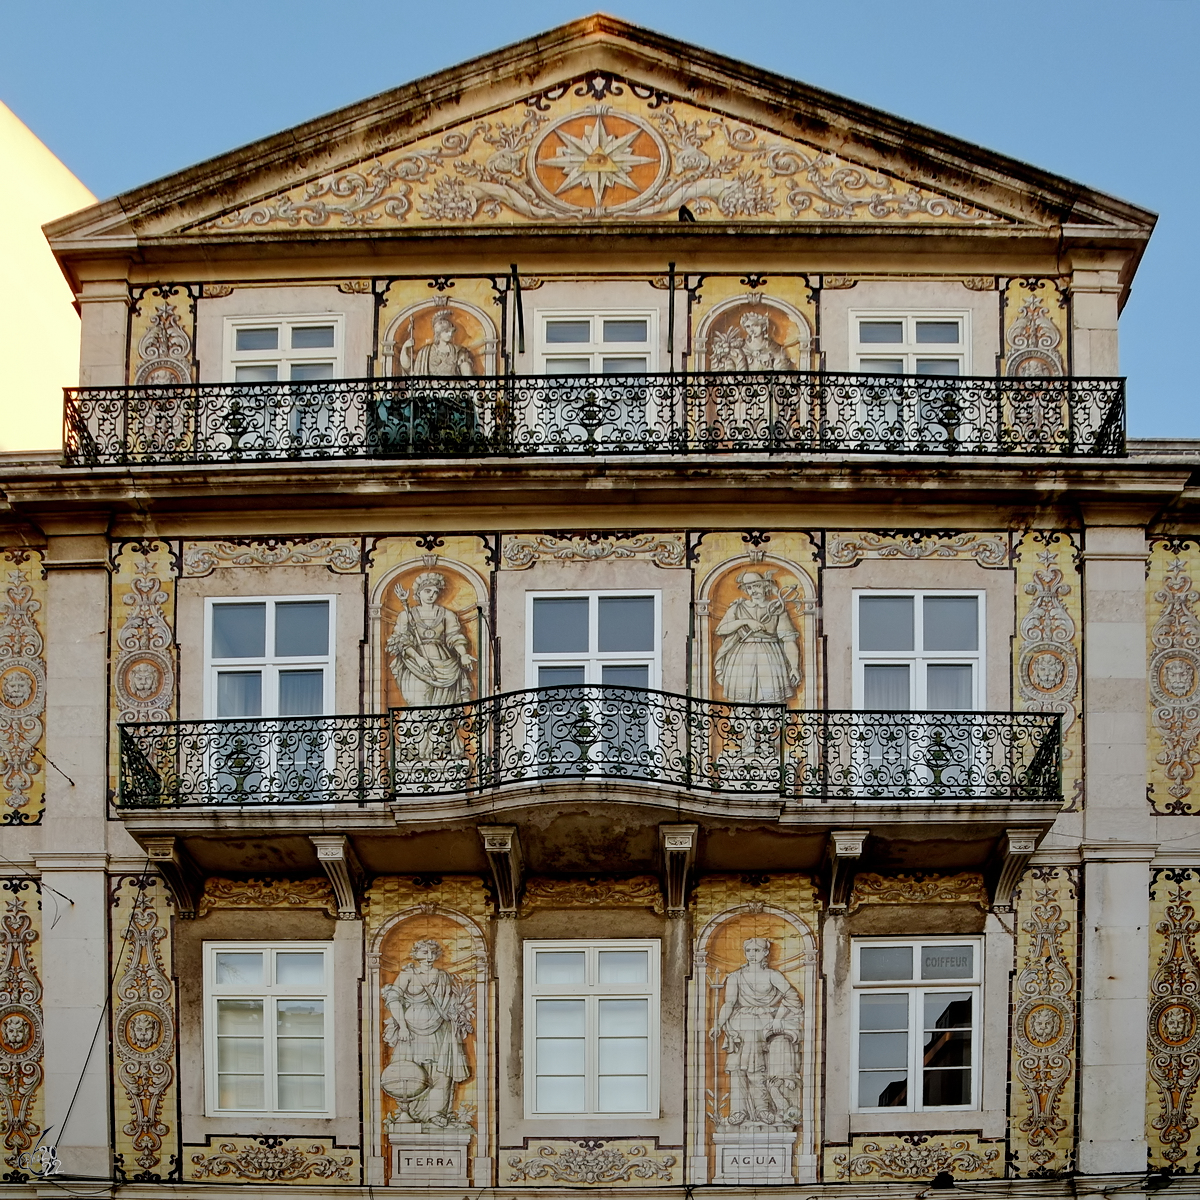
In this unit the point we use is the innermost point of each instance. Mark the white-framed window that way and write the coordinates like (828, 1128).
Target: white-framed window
(910, 343)
(919, 651)
(916, 1024)
(609, 638)
(591, 1028)
(280, 348)
(269, 656)
(610, 342)
(268, 1027)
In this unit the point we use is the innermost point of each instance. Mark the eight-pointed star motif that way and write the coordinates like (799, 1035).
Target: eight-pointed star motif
(597, 160)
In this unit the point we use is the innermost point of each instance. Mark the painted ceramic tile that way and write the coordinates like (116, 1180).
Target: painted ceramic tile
(914, 1156)
(770, 326)
(1036, 324)
(454, 331)
(592, 1162)
(22, 1101)
(22, 686)
(298, 1160)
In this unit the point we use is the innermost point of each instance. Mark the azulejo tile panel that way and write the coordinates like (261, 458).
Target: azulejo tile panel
(1173, 1024)
(144, 1032)
(1036, 326)
(918, 887)
(593, 1162)
(306, 1161)
(22, 1117)
(1044, 1006)
(914, 1156)
(22, 686)
(267, 893)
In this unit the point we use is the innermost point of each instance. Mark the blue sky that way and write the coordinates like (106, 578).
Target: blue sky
(124, 91)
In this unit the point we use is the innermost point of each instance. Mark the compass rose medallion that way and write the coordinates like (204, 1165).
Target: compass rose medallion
(598, 161)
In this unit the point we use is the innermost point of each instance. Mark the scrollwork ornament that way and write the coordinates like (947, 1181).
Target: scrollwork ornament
(915, 887)
(202, 558)
(915, 1156)
(1174, 679)
(590, 1162)
(641, 891)
(272, 1160)
(1173, 1032)
(1048, 668)
(22, 693)
(21, 1034)
(664, 550)
(267, 893)
(145, 665)
(848, 549)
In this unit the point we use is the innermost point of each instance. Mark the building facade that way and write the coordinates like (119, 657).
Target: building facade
(596, 626)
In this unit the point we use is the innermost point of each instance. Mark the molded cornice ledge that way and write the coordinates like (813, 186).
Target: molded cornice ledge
(1118, 852)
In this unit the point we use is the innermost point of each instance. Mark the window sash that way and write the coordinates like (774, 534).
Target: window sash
(595, 349)
(593, 661)
(911, 355)
(284, 356)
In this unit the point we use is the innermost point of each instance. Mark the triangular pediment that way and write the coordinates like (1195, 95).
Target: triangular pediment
(595, 123)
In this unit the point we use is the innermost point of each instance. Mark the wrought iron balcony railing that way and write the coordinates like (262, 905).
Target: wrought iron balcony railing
(784, 412)
(598, 733)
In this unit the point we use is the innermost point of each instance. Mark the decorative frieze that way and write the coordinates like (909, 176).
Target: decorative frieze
(1173, 674)
(1173, 1026)
(267, 893)
(662, 549)
(22, 687)
(144, 1032)
(912, 1156)
(592, 1162)
(918, 887)
(341, 556)
(145, 652)
(1044, 1022)
(21, 1025)
(638, 891)
(273, 1160)
(849, 549)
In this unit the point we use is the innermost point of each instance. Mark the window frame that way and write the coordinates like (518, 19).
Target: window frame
(919, 658)
(269, 665)
(909, 350)
(268, 993)
(594, 348)
(592, 991)
(916, 990)
(594, 660)
(281, 357)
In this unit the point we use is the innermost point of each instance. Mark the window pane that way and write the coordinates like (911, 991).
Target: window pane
(560, 676)
(560, 625)
(882, 1089)
(938, 366)
(881, 331)
(568, 331)
(302, 371)
(951, 622)
(888, 1011)
(947, 1048)
(301, 693)
(948, 687)
(240, 1091)
(626, 624)
(944, 332)
(947, 962)
(262, 373)
(568, 366)
(240, 1055)
(622, 1093)
(300, 1018)
(945, 1088)
(300, 968)
(886, 688)
(883, 1050)
(623, 1056)
(637, 677)
(885, 623)
(311, 337)
(560, 1018)
(241, 967)
(239, 694)
(560, 1056)
(301, 1056)
(258, 339)
(560, 966)
(302, 628)
(624, 1018)
(881, 366)
(625, 366)
(947, 1010)
(302, 1093)
(624, 966)
(239, 630)
(885, 962)
(559, 1094)
(627, 330)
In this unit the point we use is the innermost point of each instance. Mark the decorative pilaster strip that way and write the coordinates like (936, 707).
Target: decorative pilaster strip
(1044, 1023)
(1173, 1025)
(144, 1033)
(21, 1028)
(22, 686)
(1047, 657)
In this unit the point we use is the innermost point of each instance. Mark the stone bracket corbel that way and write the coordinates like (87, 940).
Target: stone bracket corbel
(338, 860)
(844, 852)
(678, 844)
(1012, 857)
(183, 878)
(502, 845)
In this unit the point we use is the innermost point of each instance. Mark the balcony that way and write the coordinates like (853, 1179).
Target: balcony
(532, 416)
(760, 756)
